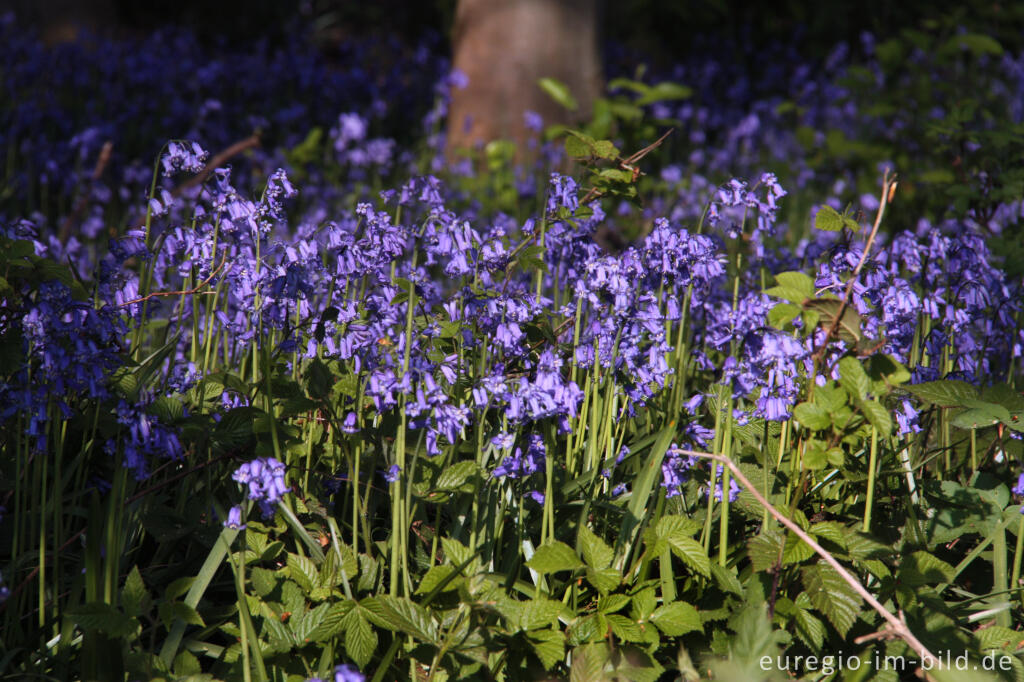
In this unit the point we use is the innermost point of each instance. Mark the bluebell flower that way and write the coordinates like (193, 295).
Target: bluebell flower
(234, 520)
(393, 473)
(264, 479)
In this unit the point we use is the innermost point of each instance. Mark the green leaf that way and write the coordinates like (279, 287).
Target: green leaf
(765, 549)
(625, 629)
(540, 612)
(333, 621)
(877, 416)
(795, 550)
(810, 629)
(812, 416)
(559, 92)
(828, 219)
(604, 579)
(401, 615)
(981, 415)
(923, 568)
(303, 625)
(831, 595)
(596, 553)
(576, 147)
(549, 645)
(976, 43)
(589, 662)
(610, 603)
(454, 476)
(169, 611)
(134, 596)
(783, 313)
(673, 524)
(554, 556)
(102, 617)
(360, 639)
(944, 393)
(304, 572)
(666, 90)
(437, 575)
(853, 378)
(797, 281)
(691, 552)
(677, 618)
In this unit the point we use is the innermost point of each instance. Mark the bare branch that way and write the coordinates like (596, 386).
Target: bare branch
(888, 191)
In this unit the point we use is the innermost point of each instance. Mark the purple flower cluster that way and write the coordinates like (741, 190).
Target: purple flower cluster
(264, 481)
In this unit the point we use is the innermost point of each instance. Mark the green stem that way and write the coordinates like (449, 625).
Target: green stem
(872, 468)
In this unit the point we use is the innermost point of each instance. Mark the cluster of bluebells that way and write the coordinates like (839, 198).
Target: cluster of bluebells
(263, 481)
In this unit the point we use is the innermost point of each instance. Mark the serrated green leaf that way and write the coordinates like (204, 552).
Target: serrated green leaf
(782, 314)
(812, 416)
(794, 296)
(922, 568)
(186, 666)
(589, 662)
(540, 612)
(134, 597)
(554, 556)
(832, 596)
(765, 549)
(596, 554)
(625, 629)
(877, 416)
(454, 476)
(333, 621)
(691, 552)
(677, 618)
(360, 639)
(102, 617)
(944, 393)
(549, 646)
(797, 281)
(304, 572)
(280, 637)
(810, 629)
(853, 378)
(795, 550)
(401, 615)
(169, 611)
(828, 219)
(576, 147)
(604, 579)
(833, 531)
(303, 625)
(436, 576)
(673, 524)
(610, 603)
(455, 551)
(981, 415)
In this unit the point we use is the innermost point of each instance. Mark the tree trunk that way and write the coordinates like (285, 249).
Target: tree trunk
(504, 47)
(60, 21)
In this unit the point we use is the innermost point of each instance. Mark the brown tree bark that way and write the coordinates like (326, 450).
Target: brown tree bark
(61, 20)
(504, 47)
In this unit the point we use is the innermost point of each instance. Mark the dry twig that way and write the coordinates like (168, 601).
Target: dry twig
(888, 190)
